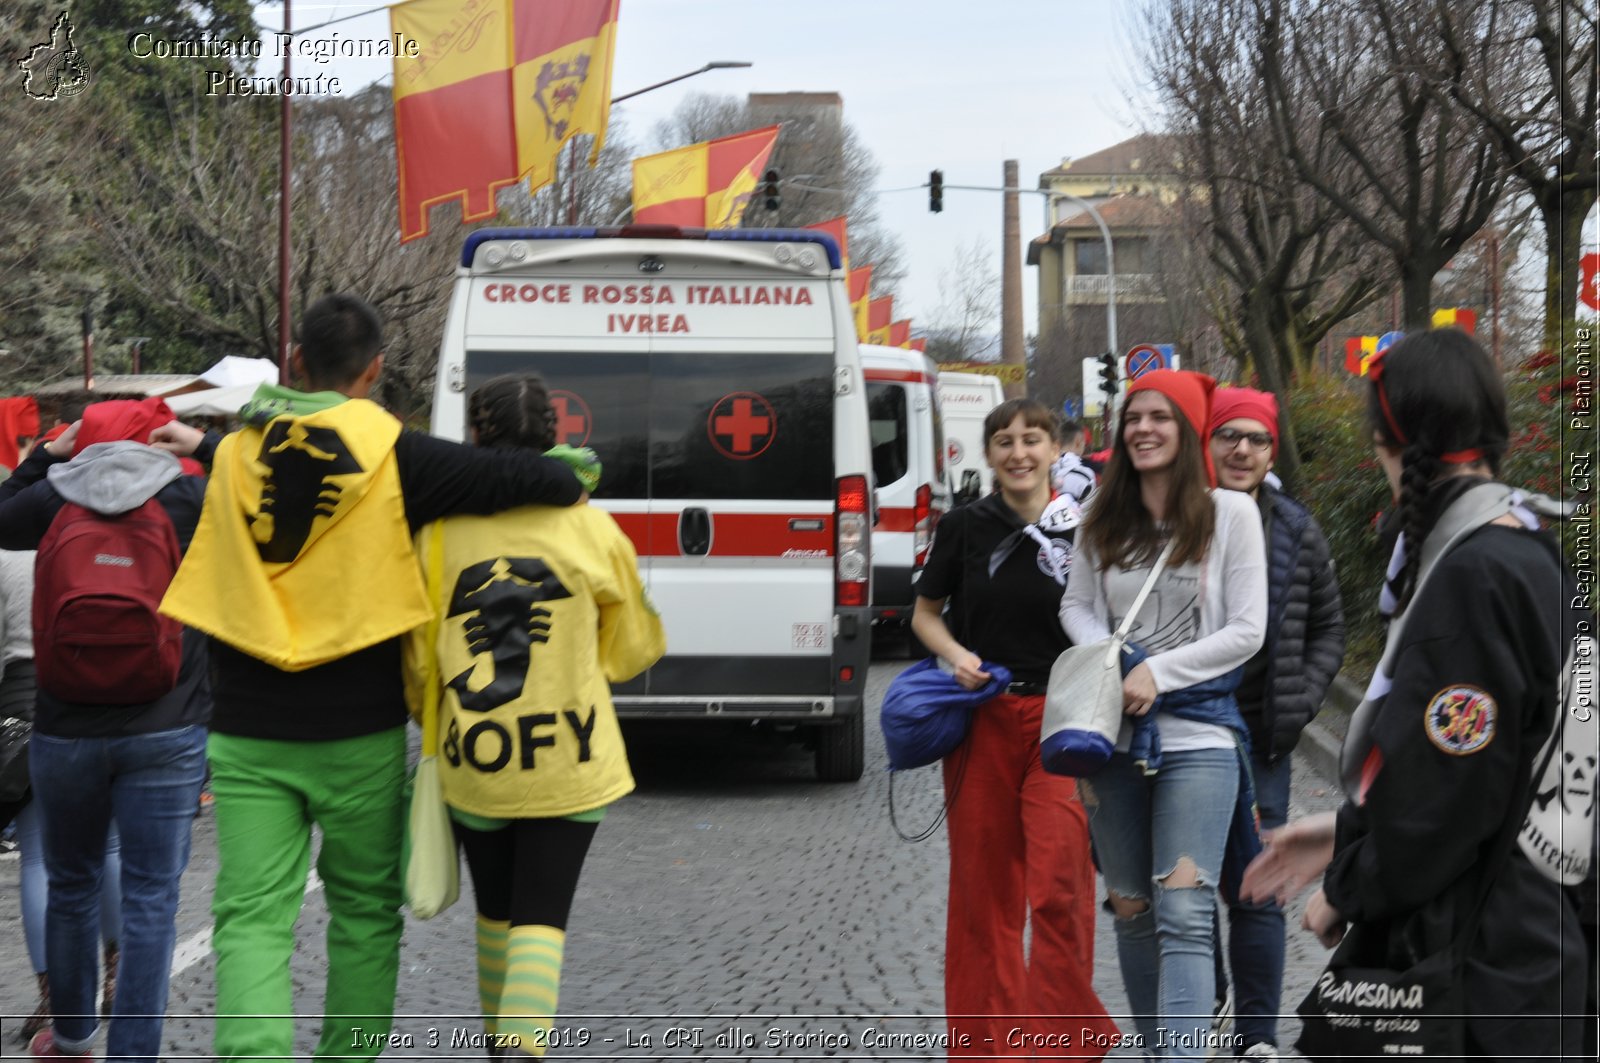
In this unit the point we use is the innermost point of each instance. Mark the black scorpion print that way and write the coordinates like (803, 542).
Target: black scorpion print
(296, 491)
(502, 596)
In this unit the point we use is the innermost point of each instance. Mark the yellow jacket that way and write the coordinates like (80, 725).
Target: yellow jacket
(302, 554)
(541, 610)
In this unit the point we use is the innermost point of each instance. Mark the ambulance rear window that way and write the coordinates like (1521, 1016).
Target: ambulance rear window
(734, 425)
(689, 425)
(886, 414)
(600, 401)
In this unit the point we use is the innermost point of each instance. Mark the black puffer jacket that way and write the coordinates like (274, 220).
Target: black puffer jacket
(1305, 629)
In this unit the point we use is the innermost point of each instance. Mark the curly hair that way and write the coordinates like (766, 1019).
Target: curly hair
(513, 411)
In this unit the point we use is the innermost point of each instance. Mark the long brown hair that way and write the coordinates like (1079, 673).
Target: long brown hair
(1122, 532)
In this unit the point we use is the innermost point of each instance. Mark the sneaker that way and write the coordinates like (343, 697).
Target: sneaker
(43, 1046)
(1221, 1025)
(1260, 1050)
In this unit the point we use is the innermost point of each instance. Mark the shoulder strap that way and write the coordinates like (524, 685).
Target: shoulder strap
(430, 654)
(1121, 637)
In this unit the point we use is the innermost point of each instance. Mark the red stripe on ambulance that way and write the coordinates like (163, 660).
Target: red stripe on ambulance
(735, 534)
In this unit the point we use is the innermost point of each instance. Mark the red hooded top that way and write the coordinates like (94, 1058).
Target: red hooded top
(127, 419)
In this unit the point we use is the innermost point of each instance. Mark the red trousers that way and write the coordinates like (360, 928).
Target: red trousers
(1019, 854)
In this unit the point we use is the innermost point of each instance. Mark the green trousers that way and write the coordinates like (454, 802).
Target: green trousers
(268, 795)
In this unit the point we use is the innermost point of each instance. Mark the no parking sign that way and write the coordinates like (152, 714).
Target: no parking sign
(1147, 358)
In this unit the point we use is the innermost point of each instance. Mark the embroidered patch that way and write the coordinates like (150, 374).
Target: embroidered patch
(1461, 720)
(1060, 553)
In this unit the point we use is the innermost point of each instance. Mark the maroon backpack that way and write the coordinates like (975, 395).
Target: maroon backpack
(98, 634)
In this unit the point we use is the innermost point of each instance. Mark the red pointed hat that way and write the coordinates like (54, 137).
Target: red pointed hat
(1230, 403)
(1191, 394)
(126, 419)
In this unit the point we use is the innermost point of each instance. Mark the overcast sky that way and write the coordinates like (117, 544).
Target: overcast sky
(929, 84)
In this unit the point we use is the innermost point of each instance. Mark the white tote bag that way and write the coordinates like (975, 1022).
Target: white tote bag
(1083, 702)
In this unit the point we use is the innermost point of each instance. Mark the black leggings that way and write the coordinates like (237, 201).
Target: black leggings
(526, 872)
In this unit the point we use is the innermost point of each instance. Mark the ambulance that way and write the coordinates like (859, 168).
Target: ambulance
(716, 374)
(908, 472)
(965, 399)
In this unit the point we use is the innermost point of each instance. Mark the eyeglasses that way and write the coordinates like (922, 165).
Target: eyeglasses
(1230, 438)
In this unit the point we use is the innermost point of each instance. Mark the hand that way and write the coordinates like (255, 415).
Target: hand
(1296, 854)
(61, 446)
(1138, 691)
(969, 670)
(175, 437)
(1323, 920)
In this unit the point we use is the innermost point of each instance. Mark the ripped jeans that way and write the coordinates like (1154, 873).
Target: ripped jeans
(1143, 829)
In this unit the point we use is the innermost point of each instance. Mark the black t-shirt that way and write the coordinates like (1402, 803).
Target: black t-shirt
(1012, 618)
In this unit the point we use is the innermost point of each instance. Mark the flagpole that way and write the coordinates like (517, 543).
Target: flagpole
(283, 216)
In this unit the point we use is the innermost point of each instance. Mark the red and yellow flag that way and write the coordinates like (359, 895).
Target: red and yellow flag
(900, 333)
(1461, 317)
(860, 281)
(496, 90)
(1358, 352)
(836, 228)
(920, 344)
(705, 185)
(879, 315)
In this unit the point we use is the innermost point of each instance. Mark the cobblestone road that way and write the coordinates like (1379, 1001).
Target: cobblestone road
(732, 908)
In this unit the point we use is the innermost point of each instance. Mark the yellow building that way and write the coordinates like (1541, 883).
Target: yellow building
(1132, 187)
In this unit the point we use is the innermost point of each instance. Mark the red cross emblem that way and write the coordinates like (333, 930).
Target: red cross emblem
(742, 425)
(573, 421)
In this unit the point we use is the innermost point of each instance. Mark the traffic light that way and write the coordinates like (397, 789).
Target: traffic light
(1108, 374)
(936, 191)
(770, 190)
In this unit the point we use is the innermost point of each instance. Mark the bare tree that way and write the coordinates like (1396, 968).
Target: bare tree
(1528, 72)
(1273, 260)
(1377, 72)
(963, 326)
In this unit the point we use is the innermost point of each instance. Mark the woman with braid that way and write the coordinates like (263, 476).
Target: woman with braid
(541, 609)
(1452, 721)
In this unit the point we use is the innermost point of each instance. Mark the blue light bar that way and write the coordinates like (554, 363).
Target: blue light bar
(659, 232)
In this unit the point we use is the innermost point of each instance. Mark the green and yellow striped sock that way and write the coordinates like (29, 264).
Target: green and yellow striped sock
(533, 982)
(491, 969)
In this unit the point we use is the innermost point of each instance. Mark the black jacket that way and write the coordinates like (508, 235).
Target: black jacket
(1473, 698)
(1304, 647)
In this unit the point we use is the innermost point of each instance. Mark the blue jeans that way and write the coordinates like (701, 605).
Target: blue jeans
(1144, 828)
(34, 888)
(1256, 931)
(149, 785)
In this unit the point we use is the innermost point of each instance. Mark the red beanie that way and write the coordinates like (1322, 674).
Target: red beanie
(1229, 403)
(128, 420)
(1191, 394)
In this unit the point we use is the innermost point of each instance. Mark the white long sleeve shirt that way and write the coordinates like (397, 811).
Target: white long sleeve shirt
(1200, 621)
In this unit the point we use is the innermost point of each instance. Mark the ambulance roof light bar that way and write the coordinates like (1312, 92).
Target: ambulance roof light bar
(653, 232)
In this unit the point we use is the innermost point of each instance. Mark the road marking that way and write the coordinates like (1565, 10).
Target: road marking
(198, 947)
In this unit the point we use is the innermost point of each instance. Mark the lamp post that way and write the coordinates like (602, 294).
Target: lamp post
(719, 64)
(1111, 266)
(572, 151)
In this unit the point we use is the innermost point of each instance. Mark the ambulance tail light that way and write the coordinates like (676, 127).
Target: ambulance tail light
(852, 526)
(922, 524)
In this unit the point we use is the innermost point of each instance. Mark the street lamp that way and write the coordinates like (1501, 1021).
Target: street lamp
(720, 64)
(1111, 266)
(572, 154)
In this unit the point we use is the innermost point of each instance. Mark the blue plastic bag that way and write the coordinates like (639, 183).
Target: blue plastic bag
(926, 712)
